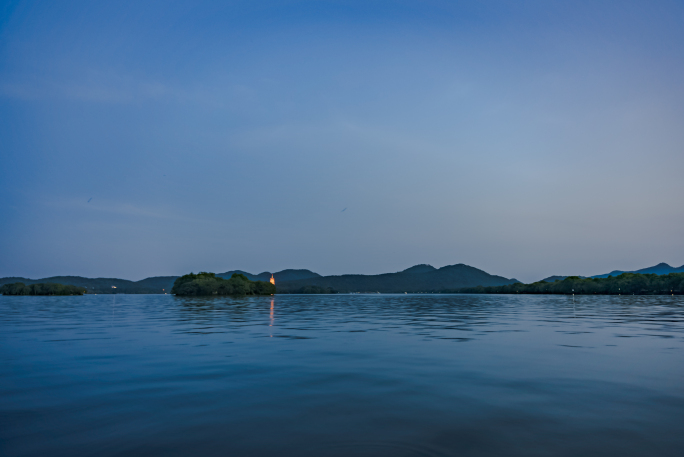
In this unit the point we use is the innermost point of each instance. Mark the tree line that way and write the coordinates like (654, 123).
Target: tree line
(209, 284)
(49, 288)
(624, 284)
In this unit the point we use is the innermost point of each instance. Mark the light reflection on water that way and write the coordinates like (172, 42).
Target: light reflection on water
(362, 375)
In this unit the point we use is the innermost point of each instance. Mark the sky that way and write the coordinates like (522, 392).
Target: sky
(526, 138)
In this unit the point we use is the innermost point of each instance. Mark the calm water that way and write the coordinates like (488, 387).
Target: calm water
(347, 375)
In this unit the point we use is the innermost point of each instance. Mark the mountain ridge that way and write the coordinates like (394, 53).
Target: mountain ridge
(661, 269)
(284, 275)
(418, 278)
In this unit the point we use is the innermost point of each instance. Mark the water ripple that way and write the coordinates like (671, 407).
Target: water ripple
(341, 375)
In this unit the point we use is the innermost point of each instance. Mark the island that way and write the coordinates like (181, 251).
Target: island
(49, 288)
(624, 284)
(208, 284)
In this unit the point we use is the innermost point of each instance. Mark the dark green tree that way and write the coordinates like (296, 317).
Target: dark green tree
(209, 284)
(625, 284)
(19, 288)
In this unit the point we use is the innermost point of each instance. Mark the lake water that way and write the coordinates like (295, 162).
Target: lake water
(342, 375)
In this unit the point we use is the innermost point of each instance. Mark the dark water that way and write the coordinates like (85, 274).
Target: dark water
(359, 375)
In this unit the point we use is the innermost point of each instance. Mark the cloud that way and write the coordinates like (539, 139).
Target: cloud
(94, 86)
(106, 206)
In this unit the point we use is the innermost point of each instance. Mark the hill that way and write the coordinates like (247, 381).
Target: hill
(285, 275)
(624, 284)
(419, 278)
(660, 269)
(154, 285)
(558, 278)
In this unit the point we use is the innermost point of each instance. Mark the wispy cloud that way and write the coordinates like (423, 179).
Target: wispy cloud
(115, 88)
(106, 206)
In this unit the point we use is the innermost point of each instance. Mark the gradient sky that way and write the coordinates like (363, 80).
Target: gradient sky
(523, 138)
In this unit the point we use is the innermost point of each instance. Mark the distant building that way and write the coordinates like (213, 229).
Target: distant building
(272, 280)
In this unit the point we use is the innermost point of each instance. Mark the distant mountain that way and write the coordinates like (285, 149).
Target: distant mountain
(660, 269)
(420, 278)
(558, 278)
(629, 284)
(228, 274)
(285, 275)
(422, 268)
(154, 285)
(554, 278)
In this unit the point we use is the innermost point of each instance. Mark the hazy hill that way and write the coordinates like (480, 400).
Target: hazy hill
(624, 284)
(660, 269)
(154, 285)
(557, 278)
(285, 275)
(422, 268)
(420, 278)
(157, 284)
(554, 278)
(228, 274)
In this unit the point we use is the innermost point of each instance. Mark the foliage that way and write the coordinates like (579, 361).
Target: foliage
(624, 284)
(154, 285)
(50, 288)
(209, 284)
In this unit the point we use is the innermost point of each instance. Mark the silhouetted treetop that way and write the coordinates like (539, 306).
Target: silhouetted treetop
(204, 283)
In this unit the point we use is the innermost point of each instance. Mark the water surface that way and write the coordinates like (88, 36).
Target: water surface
(342, 375)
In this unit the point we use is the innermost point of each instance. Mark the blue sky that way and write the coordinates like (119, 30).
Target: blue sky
(524, 138)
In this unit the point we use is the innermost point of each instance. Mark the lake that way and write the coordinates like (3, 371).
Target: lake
(342, 375)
